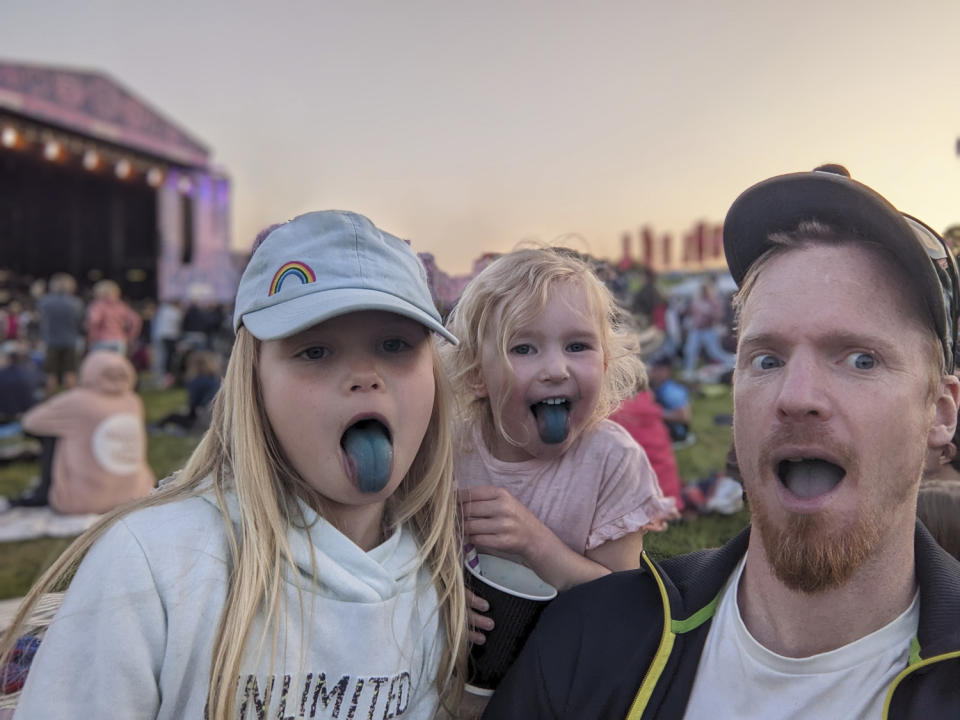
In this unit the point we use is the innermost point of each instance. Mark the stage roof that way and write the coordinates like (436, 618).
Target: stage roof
(93, 104)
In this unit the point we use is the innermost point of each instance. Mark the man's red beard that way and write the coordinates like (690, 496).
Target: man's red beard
(806, 556)
(805, 552)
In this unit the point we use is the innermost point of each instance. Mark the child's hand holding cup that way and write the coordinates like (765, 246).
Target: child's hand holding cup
(516, 596)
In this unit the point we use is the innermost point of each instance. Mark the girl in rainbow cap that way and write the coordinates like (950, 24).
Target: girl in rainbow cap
(305, 562)
(544, 356)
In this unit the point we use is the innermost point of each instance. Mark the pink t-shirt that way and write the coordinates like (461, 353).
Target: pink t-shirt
(600, 489)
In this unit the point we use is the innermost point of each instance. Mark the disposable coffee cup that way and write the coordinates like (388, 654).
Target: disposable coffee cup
(517, 596)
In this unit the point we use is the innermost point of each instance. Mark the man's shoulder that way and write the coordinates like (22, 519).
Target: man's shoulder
(682, 577)
(688, 583)
(586, 611)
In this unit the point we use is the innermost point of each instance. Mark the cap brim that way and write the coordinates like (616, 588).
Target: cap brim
(781, 203)
(297, 314)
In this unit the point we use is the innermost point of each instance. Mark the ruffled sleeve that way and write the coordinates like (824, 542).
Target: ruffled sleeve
(630, 496)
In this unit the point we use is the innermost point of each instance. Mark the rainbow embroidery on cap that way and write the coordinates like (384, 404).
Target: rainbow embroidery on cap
(303, 272)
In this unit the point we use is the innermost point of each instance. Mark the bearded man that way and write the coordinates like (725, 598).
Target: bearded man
(836, 602)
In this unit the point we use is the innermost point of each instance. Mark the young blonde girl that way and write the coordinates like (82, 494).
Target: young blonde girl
(305, 562)
(544, 357)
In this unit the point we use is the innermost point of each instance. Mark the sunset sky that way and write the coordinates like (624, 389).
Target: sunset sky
(468, 127)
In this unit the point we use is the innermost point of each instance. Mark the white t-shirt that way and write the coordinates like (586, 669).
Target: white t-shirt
(740, 678)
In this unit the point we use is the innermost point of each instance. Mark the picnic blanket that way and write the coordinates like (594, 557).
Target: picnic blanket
(27, 523)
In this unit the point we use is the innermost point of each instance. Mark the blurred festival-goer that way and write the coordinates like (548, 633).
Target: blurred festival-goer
(61, 330)
(166, 331)
(643, 419)
(111, 323)
(21, 382)
(938, 507)
(204, 370)
(673, 398)
(100, 460)
(706, 313)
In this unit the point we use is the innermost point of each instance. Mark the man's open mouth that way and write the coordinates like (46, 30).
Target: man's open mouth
(809, 477)
(368, 448)
(553, 419)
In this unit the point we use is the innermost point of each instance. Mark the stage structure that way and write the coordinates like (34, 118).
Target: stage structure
(97, 183)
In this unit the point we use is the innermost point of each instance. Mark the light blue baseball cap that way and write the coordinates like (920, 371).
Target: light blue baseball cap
(324, 264)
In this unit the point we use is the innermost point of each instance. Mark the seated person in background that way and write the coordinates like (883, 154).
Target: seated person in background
(674, 398)
(204, 369)
(938, 507)
(642, 417)
(21, 382)
(100, 460)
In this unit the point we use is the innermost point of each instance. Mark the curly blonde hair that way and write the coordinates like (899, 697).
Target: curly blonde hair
(509, 294)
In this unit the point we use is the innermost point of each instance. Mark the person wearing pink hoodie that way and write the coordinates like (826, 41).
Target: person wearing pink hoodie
(100, 458)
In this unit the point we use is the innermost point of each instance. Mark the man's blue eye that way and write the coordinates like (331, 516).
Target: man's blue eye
(862, 360)
(765, 362)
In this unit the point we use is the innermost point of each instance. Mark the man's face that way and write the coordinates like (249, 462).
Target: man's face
(833, 413)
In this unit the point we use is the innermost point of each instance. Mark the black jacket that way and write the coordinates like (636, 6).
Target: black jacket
(600, 650)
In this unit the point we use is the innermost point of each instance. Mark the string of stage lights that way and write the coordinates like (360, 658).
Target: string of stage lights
(68, 149)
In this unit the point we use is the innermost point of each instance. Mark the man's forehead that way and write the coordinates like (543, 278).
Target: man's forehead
(855, 263)
(847, 288)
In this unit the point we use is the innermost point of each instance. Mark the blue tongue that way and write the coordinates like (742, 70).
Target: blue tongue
(368, 447)
(552, 422)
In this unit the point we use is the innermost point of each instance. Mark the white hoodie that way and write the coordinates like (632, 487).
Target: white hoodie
(134, 636)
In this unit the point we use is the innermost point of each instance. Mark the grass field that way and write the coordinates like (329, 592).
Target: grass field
(22, 562)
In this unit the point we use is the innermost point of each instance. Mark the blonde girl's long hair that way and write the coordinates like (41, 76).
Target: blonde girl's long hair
(510, 293)
(241, 451)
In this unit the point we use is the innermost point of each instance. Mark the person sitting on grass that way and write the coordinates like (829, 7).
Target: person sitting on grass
(204, 369)
(674, 398)
(938, 507)
(100, 457)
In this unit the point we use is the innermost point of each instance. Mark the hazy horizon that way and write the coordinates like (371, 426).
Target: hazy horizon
(470, 128)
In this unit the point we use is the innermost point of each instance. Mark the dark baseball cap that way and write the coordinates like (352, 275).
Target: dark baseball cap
(782, 203)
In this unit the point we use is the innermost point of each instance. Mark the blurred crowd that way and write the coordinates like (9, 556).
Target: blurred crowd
(49, 325)
(71, 360)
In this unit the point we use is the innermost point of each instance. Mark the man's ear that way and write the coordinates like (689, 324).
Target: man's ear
(945, 413)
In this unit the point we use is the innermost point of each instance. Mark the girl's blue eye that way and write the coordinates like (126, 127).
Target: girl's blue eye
(315, 353)
(577, 347)
(524, 349)
(765, 362)
(862, 360)
(395, 345)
